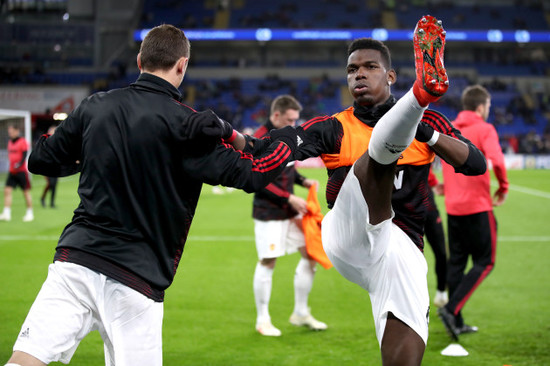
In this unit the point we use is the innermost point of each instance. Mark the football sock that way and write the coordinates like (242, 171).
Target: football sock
(395, 131)
(7, 211)
(262, 291)
(303, 282)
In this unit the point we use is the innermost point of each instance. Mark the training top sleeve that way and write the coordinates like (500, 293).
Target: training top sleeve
(299, 178)
(322, 134)
(275, 193)
(232, 168)
(493, 153)
(58, 155)
(475, 163)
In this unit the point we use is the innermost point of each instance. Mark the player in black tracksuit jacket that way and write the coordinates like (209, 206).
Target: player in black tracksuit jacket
(143, 158)
(142, 170)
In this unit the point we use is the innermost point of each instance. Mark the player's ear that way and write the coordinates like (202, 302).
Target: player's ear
(391, 77)
(182, 64)
(138, 61)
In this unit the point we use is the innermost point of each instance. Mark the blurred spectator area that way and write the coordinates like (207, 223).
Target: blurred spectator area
(391, 14)
(70, 42)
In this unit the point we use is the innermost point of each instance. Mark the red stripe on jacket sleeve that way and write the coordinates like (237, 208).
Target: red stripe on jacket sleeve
(277, 191)
(438, 122)
(313, 121)
(273, 160)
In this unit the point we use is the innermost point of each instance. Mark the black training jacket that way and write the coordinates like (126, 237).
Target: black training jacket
(143, 161)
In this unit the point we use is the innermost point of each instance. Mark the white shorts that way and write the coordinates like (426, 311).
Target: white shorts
(74, 301)
(275, 238)
(380, 258)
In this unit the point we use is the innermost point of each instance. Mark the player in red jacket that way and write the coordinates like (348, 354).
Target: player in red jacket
(472, 227)
(18, 173)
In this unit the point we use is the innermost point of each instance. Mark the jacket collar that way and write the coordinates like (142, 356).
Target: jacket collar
(467, 118)
(371, 115)
(152, 82)
(269, 125)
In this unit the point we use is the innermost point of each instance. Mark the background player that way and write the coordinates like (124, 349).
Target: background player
(472, 226)
(18, 175)
(278, 230)
(51, 182)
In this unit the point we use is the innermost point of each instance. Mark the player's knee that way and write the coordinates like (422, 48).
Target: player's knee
(268, 262)
(20, 358)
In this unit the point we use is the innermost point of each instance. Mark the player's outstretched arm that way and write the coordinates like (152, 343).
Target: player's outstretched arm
(232, 168)
(43, 161)
(449, 144)
(58, 155)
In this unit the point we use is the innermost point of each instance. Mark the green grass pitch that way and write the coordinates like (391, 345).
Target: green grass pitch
(209, 310)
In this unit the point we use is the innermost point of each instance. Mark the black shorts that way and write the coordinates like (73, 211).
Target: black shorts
(20, 179)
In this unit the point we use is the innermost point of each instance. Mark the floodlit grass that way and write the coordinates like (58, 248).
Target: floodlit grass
(209, 310)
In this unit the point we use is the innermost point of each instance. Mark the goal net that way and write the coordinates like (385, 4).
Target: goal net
(12, 117)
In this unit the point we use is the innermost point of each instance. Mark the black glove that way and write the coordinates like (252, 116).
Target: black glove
(424, 132)
(255, 146)
(289, 135)
(222, 129)
(207, 124)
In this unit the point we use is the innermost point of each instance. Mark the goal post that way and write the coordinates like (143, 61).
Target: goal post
(23, 120)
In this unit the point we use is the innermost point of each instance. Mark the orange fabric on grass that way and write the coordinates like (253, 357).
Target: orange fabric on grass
(312, 229)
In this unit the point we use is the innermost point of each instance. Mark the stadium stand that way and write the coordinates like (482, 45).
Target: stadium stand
(42, 44)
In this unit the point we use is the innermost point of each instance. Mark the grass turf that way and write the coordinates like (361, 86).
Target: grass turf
(209, 309)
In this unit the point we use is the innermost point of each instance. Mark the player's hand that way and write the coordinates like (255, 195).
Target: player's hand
(439, 189)
(287, 135)
(255, 146)
(298, 204)
(291, 136)
(424, 132)
(207, 124)
(499, 197)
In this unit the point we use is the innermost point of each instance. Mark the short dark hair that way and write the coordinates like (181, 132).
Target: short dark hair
(473, 96)
(371, 44)
(285, 102)
(162, 47)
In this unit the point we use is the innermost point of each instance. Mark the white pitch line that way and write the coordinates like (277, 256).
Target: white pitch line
(247, 238)
(531, 191)
(534, 192)
(525, 238)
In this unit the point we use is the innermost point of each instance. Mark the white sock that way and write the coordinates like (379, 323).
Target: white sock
(395, 131)
(29, 211)
(12, 364)
(7, 211)
(303, 282)
(263, 278)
